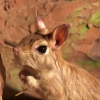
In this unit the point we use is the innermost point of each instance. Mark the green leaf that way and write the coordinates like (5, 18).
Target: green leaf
(95, 18)
(83, 29)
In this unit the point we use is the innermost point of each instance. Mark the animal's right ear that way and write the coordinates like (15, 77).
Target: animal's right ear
(60, 35)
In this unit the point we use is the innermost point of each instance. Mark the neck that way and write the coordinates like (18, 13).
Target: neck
(53, 65)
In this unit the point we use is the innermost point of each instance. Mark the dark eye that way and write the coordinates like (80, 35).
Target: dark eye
(42, 49)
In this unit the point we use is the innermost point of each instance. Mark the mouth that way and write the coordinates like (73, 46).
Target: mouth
(27, 71)
(23, 74)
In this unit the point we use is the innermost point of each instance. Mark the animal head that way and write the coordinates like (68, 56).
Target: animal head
(38, 50)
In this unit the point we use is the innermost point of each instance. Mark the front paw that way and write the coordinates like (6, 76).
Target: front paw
(32, 82)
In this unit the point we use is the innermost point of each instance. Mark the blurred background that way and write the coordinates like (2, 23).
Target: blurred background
(17, 20)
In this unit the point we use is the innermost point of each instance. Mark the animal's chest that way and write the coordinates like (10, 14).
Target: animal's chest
(52, 89)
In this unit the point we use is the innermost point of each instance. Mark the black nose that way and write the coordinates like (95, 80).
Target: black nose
(16, 50)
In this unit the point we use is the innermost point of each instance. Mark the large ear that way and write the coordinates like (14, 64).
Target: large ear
(60, 35)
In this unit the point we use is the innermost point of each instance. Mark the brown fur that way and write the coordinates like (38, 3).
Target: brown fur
(48, 74)
(55, 79)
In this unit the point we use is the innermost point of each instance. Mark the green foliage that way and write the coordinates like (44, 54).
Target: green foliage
(83, 30)
(70, 19)
(89, 63)
(95, 18)
(93, 64)
(77, 11)
(74, 14)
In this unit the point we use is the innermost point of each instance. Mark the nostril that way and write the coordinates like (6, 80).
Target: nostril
(15, 50)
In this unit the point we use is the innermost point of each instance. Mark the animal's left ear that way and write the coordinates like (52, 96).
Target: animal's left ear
(60, 35)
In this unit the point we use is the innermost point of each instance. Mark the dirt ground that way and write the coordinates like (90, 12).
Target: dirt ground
(17, 20)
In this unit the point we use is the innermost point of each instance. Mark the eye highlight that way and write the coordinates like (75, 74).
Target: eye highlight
(42, 48)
